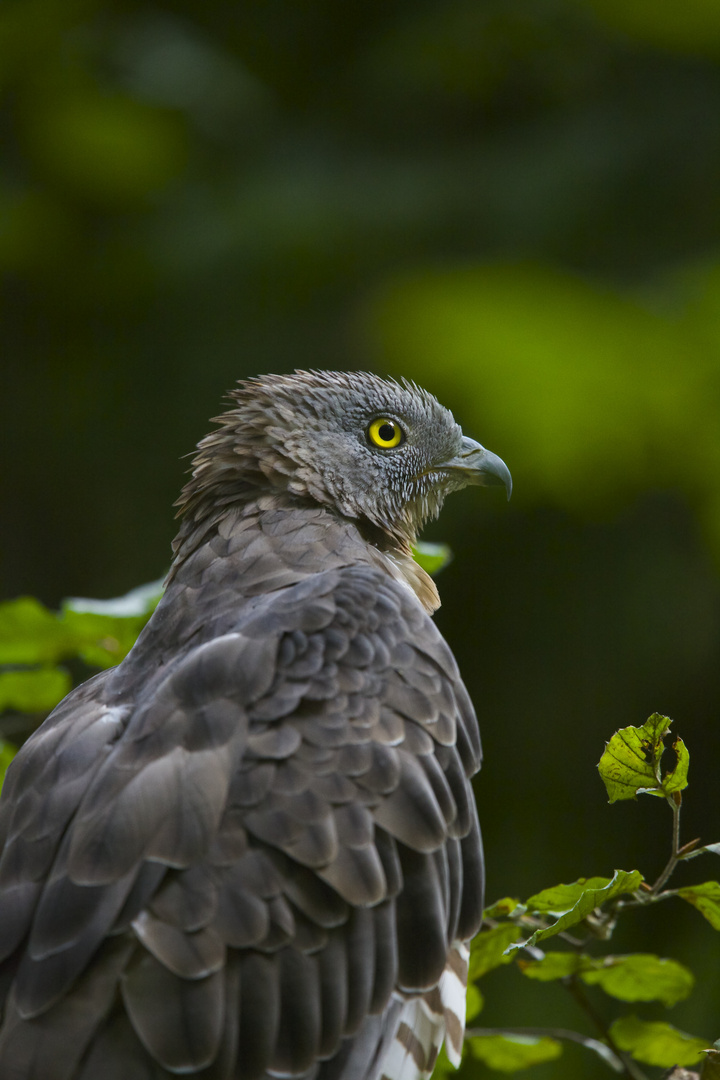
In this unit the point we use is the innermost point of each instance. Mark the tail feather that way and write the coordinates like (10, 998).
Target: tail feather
(425, 1021)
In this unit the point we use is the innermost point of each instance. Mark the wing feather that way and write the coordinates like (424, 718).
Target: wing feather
(179, 1021)
(277, 823)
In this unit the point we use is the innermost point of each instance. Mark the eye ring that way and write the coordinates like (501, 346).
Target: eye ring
(385, 433)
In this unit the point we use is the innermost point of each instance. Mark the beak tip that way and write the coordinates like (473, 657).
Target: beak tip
(480, 466)
(495, 472)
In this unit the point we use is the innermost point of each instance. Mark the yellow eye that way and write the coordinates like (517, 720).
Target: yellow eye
(385, 433)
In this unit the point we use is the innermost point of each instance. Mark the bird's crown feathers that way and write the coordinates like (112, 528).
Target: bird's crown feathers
(362, 445)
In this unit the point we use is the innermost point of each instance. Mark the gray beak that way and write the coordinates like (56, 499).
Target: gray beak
(480, 466)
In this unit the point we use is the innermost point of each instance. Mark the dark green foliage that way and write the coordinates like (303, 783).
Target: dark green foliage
(591, 908)
(432, 557)
(34, 642)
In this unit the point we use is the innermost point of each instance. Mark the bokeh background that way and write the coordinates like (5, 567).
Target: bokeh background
(516, 204)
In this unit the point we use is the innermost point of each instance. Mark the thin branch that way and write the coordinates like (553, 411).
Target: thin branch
(534, 1032)
(630, 1069)
(675, 853)
(600, 1048)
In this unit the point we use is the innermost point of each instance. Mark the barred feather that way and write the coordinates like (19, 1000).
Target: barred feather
(426, 1021)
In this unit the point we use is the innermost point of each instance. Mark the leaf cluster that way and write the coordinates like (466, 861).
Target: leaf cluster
(35, 641)
(582, 916)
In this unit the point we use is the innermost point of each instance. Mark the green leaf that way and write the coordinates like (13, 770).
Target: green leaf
(30, 634)
(510, 1053)
(474, 1002)
(502, 908)
(630, 764)
(636, 977)
(141, 600)
(713, 849)
(641, 977)
(100, 631)
(572, 903)
(676, 779)
(561, 898)
(432, 557)
(489, 949)
(555, 965)
(706, 898)
(106, 630)
(7, 753)
(656, 1043)
(103, 640)
(34, 690)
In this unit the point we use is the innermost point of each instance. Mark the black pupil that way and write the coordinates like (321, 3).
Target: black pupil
(387, 432)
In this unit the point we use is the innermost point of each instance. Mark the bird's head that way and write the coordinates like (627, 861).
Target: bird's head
(376, 451)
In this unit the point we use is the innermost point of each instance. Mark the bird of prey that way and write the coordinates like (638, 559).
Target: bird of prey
(251, 850)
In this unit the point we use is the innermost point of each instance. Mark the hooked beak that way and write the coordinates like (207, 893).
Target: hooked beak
(480, 466)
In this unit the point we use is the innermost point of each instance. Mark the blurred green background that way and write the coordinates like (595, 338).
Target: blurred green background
(517, 204)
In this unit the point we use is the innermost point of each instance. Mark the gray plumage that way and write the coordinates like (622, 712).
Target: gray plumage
(247, 851)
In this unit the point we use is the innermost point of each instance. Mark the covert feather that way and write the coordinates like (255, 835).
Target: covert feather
(251, 850)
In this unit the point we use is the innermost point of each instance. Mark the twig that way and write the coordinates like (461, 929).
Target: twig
(565, 1034)
(672, 862)
(534, 1032)
(630, 1068)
